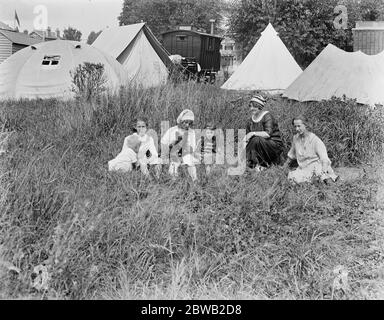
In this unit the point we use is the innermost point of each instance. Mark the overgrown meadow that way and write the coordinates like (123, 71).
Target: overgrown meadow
(69, 229)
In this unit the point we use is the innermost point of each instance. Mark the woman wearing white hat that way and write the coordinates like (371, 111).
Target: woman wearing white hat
(264, 143)
(181, 142)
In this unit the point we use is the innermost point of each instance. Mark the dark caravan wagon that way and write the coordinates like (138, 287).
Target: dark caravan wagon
(200, 52)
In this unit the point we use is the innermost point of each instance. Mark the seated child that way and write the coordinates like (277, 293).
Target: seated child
(138, 148)
(207, 147)
(180, 140)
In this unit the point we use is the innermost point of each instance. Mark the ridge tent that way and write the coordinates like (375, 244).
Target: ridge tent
(43, 70)
(269, 66)
(336, 72)
(140, 53)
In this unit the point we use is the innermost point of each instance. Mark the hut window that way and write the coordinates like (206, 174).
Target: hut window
(181, 38)
(50, 60)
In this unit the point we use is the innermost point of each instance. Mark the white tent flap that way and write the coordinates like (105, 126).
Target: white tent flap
(130, 46)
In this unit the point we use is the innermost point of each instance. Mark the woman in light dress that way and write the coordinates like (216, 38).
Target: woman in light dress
(311, 155)
(138, 149)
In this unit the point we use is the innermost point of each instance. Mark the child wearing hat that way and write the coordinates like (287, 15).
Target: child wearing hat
(181, 142)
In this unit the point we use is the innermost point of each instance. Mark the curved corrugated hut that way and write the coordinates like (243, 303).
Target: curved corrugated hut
(43, 70)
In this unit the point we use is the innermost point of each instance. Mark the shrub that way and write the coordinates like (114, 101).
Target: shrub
(88, 80)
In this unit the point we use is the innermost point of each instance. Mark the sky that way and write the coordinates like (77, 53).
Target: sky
(84, 15)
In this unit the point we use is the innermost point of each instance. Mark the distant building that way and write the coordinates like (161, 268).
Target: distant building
(368, 36)
(230, 53)
(45, 35)
(13, 41)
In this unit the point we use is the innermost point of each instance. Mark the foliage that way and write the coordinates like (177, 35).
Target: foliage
(116, 235)
(71, 34)
(162, 15)
(366, 10)
(93, 36)
(305, 26)
(88, 80)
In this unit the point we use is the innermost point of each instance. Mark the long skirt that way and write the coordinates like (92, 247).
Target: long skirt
(263, 152)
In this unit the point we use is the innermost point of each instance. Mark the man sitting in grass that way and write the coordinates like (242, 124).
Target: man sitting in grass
(311, 155)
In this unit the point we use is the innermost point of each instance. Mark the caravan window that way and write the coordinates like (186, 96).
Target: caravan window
(50, 60)
(210, 46)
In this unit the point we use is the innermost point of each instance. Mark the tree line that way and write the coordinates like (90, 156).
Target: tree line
(305, 26)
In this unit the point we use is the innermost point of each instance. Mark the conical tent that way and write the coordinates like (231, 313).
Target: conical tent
(43, 70)
(269, 66)
(140, 53)
(336, 72)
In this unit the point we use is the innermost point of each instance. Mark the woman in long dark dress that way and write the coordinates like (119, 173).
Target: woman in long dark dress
(264, 143)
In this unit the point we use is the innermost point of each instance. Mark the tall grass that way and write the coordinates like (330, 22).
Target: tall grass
(113, 235)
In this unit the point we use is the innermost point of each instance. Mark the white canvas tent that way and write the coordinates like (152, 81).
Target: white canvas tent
(336, 72)
(140, 53)
(269, 66)
(43, 70)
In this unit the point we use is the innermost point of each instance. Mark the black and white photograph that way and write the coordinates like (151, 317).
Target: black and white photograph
(191, 156)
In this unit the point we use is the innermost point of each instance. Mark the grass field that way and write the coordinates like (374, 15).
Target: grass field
(96, 234)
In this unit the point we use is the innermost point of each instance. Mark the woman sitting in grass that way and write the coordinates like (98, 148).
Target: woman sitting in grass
(264, 143)
(181, 142)
(311, 155)
(138, 148)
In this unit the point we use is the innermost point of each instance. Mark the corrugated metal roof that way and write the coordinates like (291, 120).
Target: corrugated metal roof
(4, 26)
(20, 38)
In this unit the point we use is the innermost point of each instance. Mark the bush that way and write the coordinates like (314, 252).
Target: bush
(88, 80)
